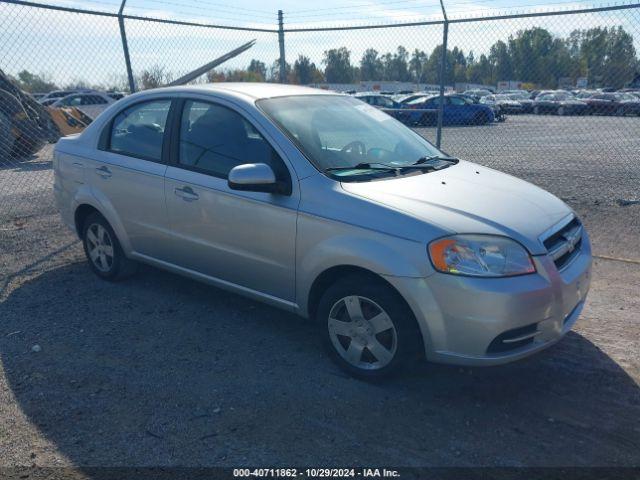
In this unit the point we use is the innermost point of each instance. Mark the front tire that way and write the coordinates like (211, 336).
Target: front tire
(369, 330)
(103, 250)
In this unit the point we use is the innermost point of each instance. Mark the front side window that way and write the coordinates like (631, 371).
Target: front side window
(338, 131)
(215, 139)
(138, 131)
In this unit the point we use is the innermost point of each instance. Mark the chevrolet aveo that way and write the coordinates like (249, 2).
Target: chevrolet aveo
(327, 207)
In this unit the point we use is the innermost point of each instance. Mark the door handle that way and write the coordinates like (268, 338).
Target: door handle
(186, 193)
(104, 172)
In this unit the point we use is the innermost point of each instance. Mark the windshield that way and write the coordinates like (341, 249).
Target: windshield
(338, 132)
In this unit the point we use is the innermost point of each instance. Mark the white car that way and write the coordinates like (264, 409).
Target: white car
(91, 104)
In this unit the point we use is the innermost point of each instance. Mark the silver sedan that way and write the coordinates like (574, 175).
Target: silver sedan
(324, 206)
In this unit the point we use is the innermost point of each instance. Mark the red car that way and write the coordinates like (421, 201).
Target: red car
(613, 104)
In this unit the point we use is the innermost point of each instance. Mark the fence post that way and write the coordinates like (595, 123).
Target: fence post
(443, 71)
(125, 48)
(283, 63)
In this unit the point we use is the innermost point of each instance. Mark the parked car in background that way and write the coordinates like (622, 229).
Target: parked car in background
(515, 91)
(397, 110)
(477, 93)
(116, 95)
(457, 110)
(523, 99)
(584, 94)
(414, 95)
(319, 204)
(56, 95)
(558, 103)
(90, 103)
(376, 99)
(503, 103)
(613, 104)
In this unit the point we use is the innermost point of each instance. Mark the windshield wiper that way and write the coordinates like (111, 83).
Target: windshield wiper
(364, 166)
(423, 160)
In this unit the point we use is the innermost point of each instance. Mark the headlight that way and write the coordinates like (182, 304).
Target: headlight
(480, 256)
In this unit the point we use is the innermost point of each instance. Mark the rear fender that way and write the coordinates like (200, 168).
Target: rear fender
(87, 196)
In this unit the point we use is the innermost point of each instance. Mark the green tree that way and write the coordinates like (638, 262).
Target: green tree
(338, 67)
(500, 60)
(605, 55)
(35, 83)
(259, 69)
(305, 71)
(417, 66)
(370, 65)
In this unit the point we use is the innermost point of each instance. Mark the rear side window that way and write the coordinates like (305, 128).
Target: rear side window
(214, 139)
(138, 131)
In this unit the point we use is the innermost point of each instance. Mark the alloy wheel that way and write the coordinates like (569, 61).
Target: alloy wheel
(100, 247)
(362, 333)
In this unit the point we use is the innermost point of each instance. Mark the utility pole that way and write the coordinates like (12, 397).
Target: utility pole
(283, 63)
(125, 48)
(443, 71)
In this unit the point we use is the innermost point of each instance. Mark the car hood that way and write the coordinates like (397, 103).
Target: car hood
(468, 198)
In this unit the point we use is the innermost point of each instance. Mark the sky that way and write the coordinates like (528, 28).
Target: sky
(67, 47)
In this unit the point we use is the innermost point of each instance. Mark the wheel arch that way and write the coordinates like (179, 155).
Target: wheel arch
(329, 276)
(80, 215)
(85, 206)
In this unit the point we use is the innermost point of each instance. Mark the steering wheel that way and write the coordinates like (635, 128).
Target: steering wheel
(352, 146)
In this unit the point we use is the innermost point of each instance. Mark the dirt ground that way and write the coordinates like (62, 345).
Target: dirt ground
(162, 371)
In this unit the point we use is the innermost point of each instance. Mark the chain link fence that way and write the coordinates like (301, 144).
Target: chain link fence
(552, 97)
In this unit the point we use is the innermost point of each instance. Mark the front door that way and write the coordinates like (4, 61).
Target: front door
(246, 238)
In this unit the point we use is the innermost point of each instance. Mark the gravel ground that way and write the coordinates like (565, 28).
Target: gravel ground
(160, 370)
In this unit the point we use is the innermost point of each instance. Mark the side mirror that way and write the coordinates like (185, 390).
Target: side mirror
(254, 177)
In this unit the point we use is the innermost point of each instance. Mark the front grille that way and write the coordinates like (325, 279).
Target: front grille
(512, 339)
(564, 245)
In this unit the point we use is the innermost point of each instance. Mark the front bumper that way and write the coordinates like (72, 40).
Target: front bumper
(461, 318)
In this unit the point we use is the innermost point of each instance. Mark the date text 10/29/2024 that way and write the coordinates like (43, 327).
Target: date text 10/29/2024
(316, 473)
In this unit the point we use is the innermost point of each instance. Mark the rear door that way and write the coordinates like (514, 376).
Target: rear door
(127, 173)
(245, 238)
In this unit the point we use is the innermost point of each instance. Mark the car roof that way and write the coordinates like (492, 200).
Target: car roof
(255, 90)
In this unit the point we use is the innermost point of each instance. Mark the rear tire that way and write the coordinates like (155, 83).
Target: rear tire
(368, 329)
(103, 250)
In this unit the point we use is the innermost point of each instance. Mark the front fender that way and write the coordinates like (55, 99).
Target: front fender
(373, 251)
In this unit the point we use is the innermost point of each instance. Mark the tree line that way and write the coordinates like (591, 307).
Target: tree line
(606, 56)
